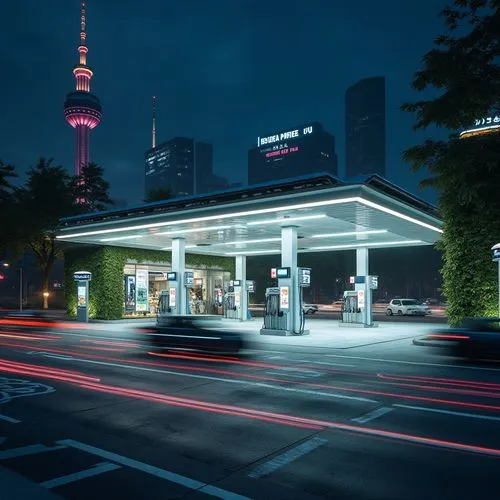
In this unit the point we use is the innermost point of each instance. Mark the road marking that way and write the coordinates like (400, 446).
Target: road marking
(230, 381)
(10, 419)
(418, 363)
(372, 415)
(77, 476)
(322, 363)
(23, 451)
(294, 372)
(284, 459)
(187, 482)
(449, 412)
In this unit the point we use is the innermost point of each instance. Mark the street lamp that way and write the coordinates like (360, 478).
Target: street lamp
(495, 254)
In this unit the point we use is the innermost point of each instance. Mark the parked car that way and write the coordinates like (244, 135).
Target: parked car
(475, 338)
(407, 307)
(309, 308)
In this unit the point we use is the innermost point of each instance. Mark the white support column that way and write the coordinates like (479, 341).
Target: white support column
(362, 259)
(241, 274)
(289, 259)
(179, 266)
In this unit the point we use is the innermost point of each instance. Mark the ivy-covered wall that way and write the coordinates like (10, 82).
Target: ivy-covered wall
(106, 291)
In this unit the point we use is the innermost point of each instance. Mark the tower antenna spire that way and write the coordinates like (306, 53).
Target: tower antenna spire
(83, 34)
(154, 121)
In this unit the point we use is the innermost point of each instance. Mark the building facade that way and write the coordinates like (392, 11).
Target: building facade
(182, 165)
(290, 153)
(365, 127)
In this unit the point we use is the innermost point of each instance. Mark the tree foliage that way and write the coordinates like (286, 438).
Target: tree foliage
(49, 194)
(91, 189)
(7, 214)
(464, 69)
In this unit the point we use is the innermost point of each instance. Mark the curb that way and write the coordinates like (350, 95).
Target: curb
(423, 341)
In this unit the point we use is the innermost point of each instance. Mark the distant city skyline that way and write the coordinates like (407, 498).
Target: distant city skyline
(222, 86)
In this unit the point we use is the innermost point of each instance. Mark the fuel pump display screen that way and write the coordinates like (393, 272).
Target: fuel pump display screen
(283, 272)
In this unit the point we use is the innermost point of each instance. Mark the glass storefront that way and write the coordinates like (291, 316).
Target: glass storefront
(144, 282)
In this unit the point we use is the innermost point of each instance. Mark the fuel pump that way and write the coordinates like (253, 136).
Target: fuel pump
(232, 300)
(304, 282)
(351, 311)
(280, 315)
(274, 316)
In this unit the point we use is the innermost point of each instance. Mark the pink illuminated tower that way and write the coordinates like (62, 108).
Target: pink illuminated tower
(82, 109)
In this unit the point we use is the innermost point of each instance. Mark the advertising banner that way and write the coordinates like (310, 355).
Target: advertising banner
(237, 299)
(141, 290)
(82, 296)
(284, 297)
(172, 294)
(361, 299)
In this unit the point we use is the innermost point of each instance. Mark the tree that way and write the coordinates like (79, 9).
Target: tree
(159, 194)
(7, 219)
(47, 196)
(91, 189)
(464, 69)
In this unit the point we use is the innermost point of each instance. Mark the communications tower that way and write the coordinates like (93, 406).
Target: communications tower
(82, 109)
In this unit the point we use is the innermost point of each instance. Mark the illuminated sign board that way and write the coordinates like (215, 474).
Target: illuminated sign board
(82, 276)
(483, 126)
(495, 253)
(172, 276)
(188, 278)
(285, 136)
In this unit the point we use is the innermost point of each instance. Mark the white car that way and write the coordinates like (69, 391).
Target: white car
(407, 307)
(310, 308)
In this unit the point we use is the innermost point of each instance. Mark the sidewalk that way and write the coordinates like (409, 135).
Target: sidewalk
(327, 333)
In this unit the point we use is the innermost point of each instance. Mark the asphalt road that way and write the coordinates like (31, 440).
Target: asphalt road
(90, 414)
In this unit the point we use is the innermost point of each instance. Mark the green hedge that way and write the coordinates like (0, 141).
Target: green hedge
(106, 291)
(470, 281)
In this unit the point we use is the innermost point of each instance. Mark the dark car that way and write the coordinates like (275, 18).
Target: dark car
(475, 338)
(194, 334)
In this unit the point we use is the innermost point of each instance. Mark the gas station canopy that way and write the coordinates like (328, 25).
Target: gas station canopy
(329, 215)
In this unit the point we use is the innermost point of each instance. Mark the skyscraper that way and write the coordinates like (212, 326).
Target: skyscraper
(182, 165)
(82, 109)
(303, 150)
(365, 127)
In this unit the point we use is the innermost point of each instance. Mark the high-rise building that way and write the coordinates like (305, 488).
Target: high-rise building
(82, 109)
(182, 165)
(365, 127)
(299, 151)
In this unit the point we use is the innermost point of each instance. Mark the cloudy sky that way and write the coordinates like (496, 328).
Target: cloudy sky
(224, 71)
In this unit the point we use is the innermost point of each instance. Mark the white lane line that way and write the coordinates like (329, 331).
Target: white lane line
(372, 415)
(23, 451)
(187, 482)
(10, 419)
(322, 363)
(229, 381)
(449, 412)
(284, 459)
(77, 476)
(418, 363)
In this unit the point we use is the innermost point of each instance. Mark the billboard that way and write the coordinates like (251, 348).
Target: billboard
(483, 126)
(292, 152)
(286, 142)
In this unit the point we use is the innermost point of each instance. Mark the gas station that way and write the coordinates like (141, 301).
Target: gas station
(308, 214)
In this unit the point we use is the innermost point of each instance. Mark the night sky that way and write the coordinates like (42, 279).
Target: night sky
(224, 71)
